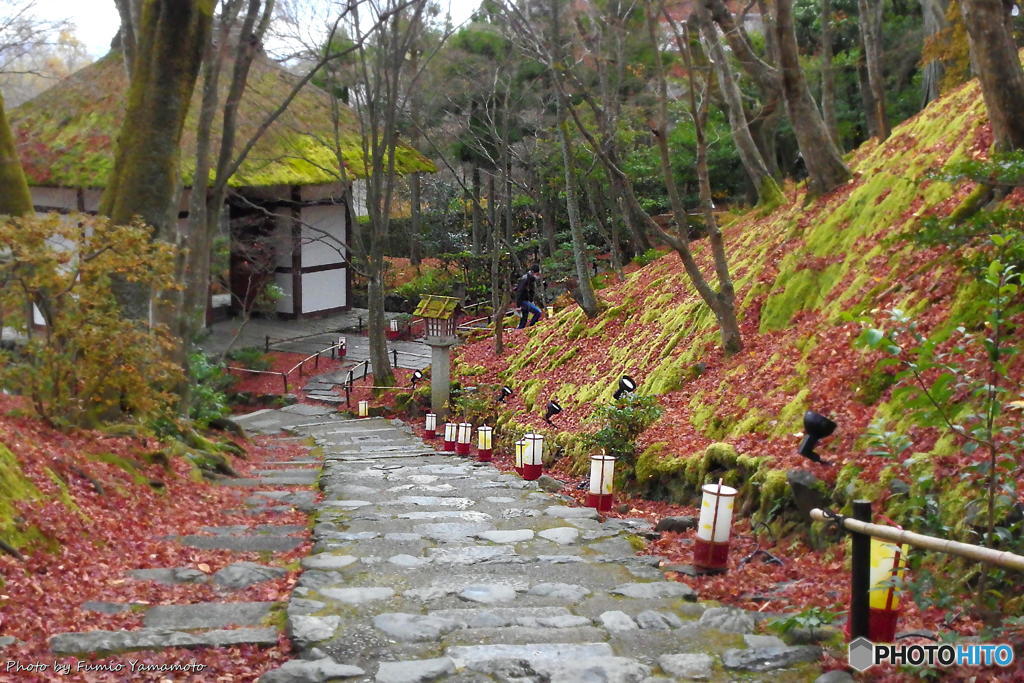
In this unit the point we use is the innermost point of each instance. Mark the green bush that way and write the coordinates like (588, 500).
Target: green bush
(210, 383)
(649, 256)
(626, 419)
(250, 357)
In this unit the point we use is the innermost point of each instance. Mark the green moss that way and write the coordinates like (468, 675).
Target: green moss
(14, 487)
(801, 290)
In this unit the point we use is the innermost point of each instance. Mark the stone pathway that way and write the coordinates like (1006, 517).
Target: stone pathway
(218, 624)
(433, 567)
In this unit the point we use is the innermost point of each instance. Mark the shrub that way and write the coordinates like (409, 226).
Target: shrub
(626, 420)
(249, 357)
(649, 256)
(88, 364)
(210, 383)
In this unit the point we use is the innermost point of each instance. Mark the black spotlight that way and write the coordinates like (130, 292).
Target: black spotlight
(416, 377)
(553, 409)
(505, 392)
(816, 427)
(627, 385)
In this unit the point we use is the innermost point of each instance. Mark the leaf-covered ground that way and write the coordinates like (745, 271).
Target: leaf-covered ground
(101, 520)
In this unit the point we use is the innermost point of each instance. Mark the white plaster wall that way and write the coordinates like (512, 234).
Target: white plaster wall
(323, 290)
(323, 233)
(55, 198)
(285, 304)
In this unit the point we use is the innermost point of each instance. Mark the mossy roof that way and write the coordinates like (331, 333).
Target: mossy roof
(434, 306)
(66, 135)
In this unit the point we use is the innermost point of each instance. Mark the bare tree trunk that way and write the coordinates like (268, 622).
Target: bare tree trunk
(476, 208)
(15, 198)
(144, 182)
(933, 14)
(824, 164)
(548, 209)
(415, 218)
(587, 296)
(768, 192)
(870, 23)
(130, 13)
(828, 80)
(997, 62)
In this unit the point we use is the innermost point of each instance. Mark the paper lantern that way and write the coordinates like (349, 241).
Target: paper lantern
(711, 547)
(364, 409)
(451, 430)
(602, 471)
(520, 455)
(394, 325)
(533, 457)
(888, 561)
(342, 346)
(430, 425)
(550, 311)
(464, 436)
(483, 444)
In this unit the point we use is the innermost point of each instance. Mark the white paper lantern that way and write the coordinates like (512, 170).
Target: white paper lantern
(483, 443)
(465, 436)
(430, 425)
(520, 455)
(364, 409)
(602, 473)
(394, 325)
(711, 547)
(451, 430)
(533, 457)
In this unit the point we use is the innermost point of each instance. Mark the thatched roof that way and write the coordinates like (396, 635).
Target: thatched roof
(65, 136)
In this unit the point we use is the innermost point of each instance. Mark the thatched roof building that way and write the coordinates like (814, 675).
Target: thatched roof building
(66, 140)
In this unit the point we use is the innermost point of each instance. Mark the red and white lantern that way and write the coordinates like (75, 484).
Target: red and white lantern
(711, 547)
(394, 325)
(602, 471)
(533, 457)
(451, 430)
(465, 436)
(520, 453)
(483, 443)
(430, 425)
(364, 409)
(342, 346)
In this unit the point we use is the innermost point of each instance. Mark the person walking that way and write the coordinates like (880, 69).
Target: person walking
(526, 291)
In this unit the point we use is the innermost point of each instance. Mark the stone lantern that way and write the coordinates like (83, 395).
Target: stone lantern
(439, 314)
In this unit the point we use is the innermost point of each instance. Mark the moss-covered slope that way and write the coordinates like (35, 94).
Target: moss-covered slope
(65, 136)
(802, 273)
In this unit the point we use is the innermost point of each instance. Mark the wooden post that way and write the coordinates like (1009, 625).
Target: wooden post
(860, 575)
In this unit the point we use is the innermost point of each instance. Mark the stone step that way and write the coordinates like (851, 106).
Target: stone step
(207, 615)
(110, 642)
(242, 543)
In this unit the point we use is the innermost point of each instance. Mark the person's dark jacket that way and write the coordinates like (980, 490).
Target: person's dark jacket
(525, 288)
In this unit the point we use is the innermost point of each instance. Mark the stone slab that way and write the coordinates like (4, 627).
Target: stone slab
(108, 642)
(206, 615)
(248, 543)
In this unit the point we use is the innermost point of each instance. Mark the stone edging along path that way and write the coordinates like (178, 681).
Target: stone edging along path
(433, 567)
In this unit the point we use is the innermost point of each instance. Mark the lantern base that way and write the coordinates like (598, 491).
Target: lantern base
(881, 625)
(462, 449)
(448, 446)
(600, 501)
(519, 470)
(429, 434)
(484, 455)
(710, 555)
(532, 472)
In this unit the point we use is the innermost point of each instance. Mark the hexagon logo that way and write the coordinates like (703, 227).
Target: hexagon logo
(861, 654)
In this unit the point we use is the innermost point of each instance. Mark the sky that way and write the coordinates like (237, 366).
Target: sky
(96, 21)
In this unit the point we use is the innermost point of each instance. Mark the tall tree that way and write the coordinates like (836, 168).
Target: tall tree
(828, 77)
(15, 199)
(933, 15)
(171, 36)
(768, 192)
(825, 166)
(869, 19)
(996, 61)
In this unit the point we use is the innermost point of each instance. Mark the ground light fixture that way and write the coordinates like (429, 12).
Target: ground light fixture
(816, 427)
(553, 409)
(627, 385)
(533, 457)
(451, 430)
(602, 472)
(483, 443)
(464, 436)
(416, 377)
(520, 455)
(711, 547)
(364, 409)
(430, 425)
(505, 392)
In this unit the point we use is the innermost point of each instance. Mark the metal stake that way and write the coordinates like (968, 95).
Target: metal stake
(860, 576)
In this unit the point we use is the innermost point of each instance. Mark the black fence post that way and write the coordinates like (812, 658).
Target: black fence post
(266, 344)
(360, 323)
(860, 575)
(394, 352)
(348, 397)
